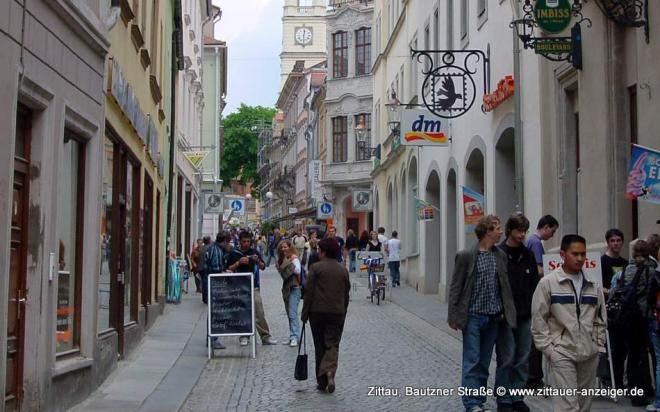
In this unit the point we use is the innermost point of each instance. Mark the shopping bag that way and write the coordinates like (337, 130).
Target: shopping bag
(300, 372)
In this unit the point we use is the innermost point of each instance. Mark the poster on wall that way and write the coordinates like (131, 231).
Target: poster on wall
(473, 208)
(424, 210)
(644, 175)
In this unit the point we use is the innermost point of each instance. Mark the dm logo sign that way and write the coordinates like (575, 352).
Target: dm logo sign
(422, 128)
(324, 211)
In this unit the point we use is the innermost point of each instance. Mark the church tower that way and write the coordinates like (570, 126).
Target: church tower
(303, 34)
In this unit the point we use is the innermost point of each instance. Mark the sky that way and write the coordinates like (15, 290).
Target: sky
(253, 32)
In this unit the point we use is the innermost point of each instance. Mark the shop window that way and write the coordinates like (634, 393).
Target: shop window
(70, 194)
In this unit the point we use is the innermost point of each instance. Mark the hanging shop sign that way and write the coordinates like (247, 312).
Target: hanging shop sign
(196, 157)
(362, 200)
(644, 175)
(553, 16)
(314, 177)
(420, 127)
(424, 210)
(212, 203)
(505, 89)
(450, 89)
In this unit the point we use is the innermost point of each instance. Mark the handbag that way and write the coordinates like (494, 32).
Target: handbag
(300, 372)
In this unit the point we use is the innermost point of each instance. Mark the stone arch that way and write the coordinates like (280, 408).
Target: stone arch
(411, 223)
(451, 219)
(432, 235)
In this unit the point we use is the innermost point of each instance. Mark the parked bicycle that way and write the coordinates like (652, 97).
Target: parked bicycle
(377, 282)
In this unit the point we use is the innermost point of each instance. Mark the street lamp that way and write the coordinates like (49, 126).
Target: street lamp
(361, 138)
(269, 195)
(248, 196)
(393, 114)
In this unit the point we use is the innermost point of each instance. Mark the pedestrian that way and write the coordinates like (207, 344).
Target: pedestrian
(313, 252)
(332, 234)
(374, 244)
(262, 246)
(271, 247)
(299, 240)
(381, 235)
(352, 247)
(245, 259)
(480, 305)
(290, 269)
(194, 259)
(364, 239)
(326, 303)
(654, 297)
(514, 344)
(568, 325)
(215, 261)
(393, 252)
(634, 324)
(545, 230)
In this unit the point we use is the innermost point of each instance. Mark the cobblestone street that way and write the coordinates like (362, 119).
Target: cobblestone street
(385, 346)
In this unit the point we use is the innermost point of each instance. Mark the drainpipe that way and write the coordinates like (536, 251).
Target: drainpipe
(173, 142)
(517, 113)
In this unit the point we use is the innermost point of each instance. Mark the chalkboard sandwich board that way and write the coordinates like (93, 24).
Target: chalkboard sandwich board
(231, 304)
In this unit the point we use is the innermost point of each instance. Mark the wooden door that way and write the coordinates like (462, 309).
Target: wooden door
(147, 245)
(18, 262)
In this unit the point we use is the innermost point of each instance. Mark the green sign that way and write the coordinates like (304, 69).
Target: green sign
(552, 16)
(553, 46)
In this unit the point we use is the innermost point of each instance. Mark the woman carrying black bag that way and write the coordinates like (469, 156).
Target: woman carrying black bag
(326, 302)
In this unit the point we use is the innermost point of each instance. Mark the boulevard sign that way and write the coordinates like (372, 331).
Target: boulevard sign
(553, 16)
(553, 46)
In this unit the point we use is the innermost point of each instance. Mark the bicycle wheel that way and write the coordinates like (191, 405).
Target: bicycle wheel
(371, 287)
(383, 290)
(377, 297)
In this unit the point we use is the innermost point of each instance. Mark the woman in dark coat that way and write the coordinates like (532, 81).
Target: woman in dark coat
(374, 244)
(364, 239)
(326, 302)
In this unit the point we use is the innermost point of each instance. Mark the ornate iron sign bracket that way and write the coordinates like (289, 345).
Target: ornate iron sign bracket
(629, 13)
(449, 89)
(552, 48)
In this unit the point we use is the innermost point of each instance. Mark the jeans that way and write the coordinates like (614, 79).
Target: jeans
(512, 349)
(271, 254)
(656, 346)
(292, 313)
(479, 336)
(352, 259)
(394, 271)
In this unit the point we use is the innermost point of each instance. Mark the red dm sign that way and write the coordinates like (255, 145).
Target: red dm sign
(422, 128)
(505, 89)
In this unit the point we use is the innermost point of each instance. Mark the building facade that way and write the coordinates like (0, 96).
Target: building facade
(214, 83)
(53, 63)
(348, 103)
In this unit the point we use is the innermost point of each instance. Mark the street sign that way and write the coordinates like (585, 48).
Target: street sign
(552, 16)
(325, 211)
(238, 206)
(422, 128)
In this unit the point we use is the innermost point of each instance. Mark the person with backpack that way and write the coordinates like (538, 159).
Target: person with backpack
(654, 300)
(630, 313)
(201, 265)
(214, 261)
(298, 242)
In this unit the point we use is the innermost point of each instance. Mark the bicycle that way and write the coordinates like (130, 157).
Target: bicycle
(377, 283)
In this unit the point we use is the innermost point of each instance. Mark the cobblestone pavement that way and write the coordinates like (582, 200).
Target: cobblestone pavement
(383, 346)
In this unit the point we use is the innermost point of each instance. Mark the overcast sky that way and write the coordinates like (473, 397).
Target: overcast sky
(253, 32)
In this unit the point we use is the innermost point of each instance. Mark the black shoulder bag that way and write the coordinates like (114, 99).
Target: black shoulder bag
(622, 305)
(300, 372)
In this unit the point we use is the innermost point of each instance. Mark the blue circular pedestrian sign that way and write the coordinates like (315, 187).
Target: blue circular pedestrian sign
(237, 205)
(326, 208)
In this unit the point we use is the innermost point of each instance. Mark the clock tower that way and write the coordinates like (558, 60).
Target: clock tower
(303, 34)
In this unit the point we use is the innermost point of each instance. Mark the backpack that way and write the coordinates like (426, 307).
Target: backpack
(213, 258)
(622, 307)
(299, 242)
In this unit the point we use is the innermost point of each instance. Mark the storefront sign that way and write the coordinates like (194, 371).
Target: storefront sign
(421, 128)
(644, 175)
(552, 16)
(553, 46)
(196, 157)
(473, 208)
(362, 200)
(505, 89)
(591, 267)
(314, 176)
(212, 203)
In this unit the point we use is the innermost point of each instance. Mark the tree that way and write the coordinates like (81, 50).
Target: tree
(239, 161)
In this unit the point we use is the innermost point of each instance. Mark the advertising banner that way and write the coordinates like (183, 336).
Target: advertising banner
(644, 175)
(422, 128)
(424, 210)
(591, 267)
(473, 208)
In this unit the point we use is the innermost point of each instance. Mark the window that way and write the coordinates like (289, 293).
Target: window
(155, 63)
(70, 207)
(363, 51)
(363, 154)
(450, 24)
(340, 54)
(339, 139)
(143, 19)
(482, 12)
(464, 20)
(427, 45)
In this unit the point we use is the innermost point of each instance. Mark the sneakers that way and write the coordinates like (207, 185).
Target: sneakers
(286, 342)
(268, 341)
(243, 341)
(218, 345)
(520, 406)
(293, 343)
(652, 408)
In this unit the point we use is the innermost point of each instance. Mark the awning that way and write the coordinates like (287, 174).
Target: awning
(311, 212)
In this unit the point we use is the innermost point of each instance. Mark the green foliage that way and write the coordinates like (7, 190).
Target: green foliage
(239, 161)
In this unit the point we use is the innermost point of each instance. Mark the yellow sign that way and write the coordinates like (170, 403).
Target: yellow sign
(196, 157)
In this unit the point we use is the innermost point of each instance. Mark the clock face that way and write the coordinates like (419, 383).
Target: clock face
(303, 36)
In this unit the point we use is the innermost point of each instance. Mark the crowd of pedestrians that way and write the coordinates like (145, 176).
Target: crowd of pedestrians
(502, 301)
